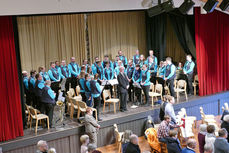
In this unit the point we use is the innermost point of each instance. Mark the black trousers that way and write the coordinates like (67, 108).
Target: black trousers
(189, 83)
(84, 98)
(130, 91)
(55, 87)
(97, 104)
(171, 86)
(153, 77)
(146, 93)
(74, 82)
(123, 100)
(48, 109)
(138, 94)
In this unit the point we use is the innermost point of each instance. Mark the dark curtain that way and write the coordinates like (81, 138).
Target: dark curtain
(184, 28)
(10, 106)
(212, 51)
(156, 34)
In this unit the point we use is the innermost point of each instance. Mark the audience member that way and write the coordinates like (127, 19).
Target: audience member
(91, 148)
(208, 148)
(225, 124)
(201, 137)
(173, 144)
(164, 128)
(91, 126)
(133, 146)
(96, 151)
(210, 136)
(84, 139)
(42, 146)
(169, 110)
(221, 145)
(52, 150)
(191, 146)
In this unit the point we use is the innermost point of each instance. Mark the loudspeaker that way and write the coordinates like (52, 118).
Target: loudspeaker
(156, 10)
(224, 5)
(186, 6)
(210, 5)
(168, 6)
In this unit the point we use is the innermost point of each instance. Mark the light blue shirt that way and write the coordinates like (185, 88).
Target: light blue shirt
(98, 88)
(51, 75)
(125, 59)
(161, 71)
(71, 71)
(147, 81)
(41, 84)
(139, 79)
(186, 70)
(32, 81)
(45, 76)
(173, 71)
(152, 64)
(26, 82)
(51, 92)
(94, 69)
(155, 60)
(66, 71)
(108, 71)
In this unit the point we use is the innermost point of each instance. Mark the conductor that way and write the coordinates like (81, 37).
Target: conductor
(123, 88)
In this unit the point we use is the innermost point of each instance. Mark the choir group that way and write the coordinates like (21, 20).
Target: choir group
(41, 88)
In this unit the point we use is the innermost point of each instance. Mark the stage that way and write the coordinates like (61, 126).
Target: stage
(65, 138)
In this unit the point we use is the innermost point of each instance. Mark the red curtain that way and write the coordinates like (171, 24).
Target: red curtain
(11, 124)
(212, 51)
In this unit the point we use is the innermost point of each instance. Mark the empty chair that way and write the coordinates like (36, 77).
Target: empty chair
(189, 118)
(108, 100)
(206, 119)
(157, 92)
(118, 138)
(37, 117)
(195, 83)
(82, 106)
(181, 87)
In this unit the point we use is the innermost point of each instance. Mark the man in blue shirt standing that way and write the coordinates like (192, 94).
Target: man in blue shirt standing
(129, 72)
(26, 87)
(96, 93)
(145, 83)
(170, 74)
(74, 71)
(48, 101)
(137, 77)
(64, 73)
(107, 60)
(188, 71)
(151, 55)
(32, 81)
(136, 57)
(94, 65)
(122, 58)
(39, 85)
(108, 74)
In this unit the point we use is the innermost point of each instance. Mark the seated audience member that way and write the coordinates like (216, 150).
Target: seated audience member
(164, 128)
(208, 148)
(91, 126)
(42, 146)
(96, 151)
(0, 149)
(133, 146)
(210, 136)
(52, 150)
(169, 110)
(48, 101)
(152, 139)
(221, 145)
(173, 144)
(191, 146)
(126, 139)
(225, 124)
(84, 139)
(91, 148)
(201, 137)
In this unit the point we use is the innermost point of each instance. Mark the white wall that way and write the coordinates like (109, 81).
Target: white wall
(19, 7)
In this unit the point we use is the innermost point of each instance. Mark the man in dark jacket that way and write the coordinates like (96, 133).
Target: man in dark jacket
(225, 124)
(173, 144)
(221, 145)
(133, 147)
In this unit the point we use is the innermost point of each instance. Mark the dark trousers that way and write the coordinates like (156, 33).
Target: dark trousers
(88, 99)
(138, 94)
(123, 100)
(73, 83)
(84, 98)
(171, 86)
(189, 83)
(55, 87)
(97, 104)
(48, 109)
(153, 77)
(130, 91)
(146, 93)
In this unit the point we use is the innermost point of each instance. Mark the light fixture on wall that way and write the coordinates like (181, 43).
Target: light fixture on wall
(186, 6)
(224, 5)
(210, 5)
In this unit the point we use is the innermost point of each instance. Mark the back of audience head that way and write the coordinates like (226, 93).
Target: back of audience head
(191, 143)
(42, 145)
(173, 133)
(134, 139)
(226, 118)
(171, 99)
(91, 148)
(52, 150)
(211, 129)
(84, 139)
(208, 148)
(223, 133)
(203, 128)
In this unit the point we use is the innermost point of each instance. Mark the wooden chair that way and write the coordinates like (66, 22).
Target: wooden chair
(226, 106)
(166, 87)
(114, 101)
(207, 119)
(82, 106)
(195, 83)
(71, 93)
(118, 138)
(191, 119)
(157, 92)
(181, 87)
(77, 90)
(163, 147)
(73, 106)
(37, 117)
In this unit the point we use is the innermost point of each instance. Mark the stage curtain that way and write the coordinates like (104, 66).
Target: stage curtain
(110, 32)
(212, 46)
(43, 39)
(156, 34)
(11, 124)
(184, 33)
(173, 47)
